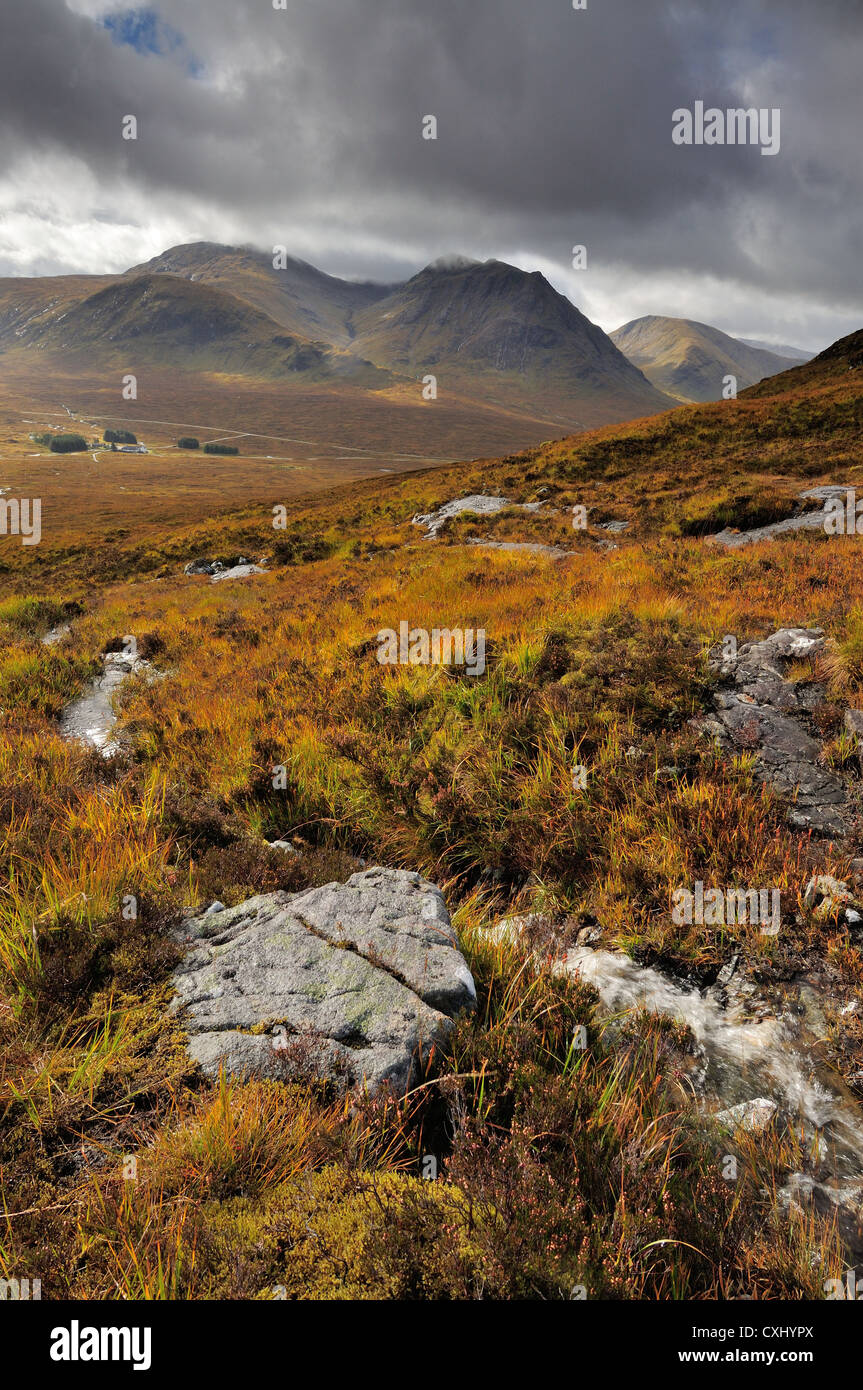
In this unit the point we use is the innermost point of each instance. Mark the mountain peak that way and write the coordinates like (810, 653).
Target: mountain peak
(453, 261)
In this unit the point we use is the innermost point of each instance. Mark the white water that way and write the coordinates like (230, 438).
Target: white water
(741, 1059)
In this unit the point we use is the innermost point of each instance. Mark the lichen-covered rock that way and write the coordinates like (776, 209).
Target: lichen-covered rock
(826, 895)
(854, 722)
(362, 978)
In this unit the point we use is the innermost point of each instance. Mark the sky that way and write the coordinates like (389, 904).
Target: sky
(302, 127)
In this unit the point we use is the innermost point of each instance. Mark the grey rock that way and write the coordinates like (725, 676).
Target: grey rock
(826, 492)
(802, 520)
(284, 845)
(366, 976)
(530, 547)
(750, 1115)
(214, 907)
(588, 936)
(757, 710)
(56, 635)
(202, 566)
(734, 540)
(822, 886)
(241, 571)
(824, 894)
(854, 722)
(477, 502)
(727, 971)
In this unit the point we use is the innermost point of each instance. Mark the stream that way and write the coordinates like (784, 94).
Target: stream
(91, 718)
(777, 1057)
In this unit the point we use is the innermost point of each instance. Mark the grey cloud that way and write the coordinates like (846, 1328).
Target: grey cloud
(554, 128)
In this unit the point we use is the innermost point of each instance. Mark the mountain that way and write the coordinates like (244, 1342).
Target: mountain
(488, 331)
(512, 357)
(490, 328)
(829, 368)
(298, 297)
(794, 354)
(165, 320)
(689, 360)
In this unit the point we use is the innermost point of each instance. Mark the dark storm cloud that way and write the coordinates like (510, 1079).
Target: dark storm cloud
(303, 126)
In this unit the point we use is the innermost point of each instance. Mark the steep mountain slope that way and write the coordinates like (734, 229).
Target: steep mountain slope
(299, 298)
(497, 338)
(689, 360)
(492, 328)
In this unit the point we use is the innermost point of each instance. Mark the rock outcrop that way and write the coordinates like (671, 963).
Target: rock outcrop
(361, 979)
(240, 568)
(803, 519)
(757, 710)
(478, 503)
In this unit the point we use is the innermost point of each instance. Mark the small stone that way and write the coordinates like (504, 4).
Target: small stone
(588, 935)
(727, 970)
(824, 894)
(750, 1115)
(854, 722)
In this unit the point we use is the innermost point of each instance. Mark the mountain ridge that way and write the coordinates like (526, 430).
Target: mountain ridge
(492, 334)
(690, 360)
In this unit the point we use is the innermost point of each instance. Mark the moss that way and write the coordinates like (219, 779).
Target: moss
(324, 1237)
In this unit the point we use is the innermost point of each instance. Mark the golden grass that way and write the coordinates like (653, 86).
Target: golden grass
(597, 659)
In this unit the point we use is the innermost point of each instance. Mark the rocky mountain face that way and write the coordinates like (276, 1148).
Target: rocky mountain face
(296, 296)
(475, 321)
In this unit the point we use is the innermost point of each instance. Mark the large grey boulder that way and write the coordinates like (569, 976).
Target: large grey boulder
(362, 978)
(758, 710)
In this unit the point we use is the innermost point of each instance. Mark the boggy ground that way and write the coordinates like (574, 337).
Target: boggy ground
(561, 1171)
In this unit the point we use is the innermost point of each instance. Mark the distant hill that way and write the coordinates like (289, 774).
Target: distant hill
(167, 321)
(689, 360)
(794, 354)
